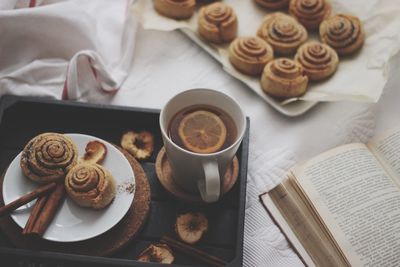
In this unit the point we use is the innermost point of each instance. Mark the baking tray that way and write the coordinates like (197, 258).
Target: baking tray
(292, 109)
(21, 118)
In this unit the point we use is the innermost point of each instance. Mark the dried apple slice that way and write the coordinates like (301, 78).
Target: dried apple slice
(160, 253)
(140, 145)
(95, 152)
(190, 227)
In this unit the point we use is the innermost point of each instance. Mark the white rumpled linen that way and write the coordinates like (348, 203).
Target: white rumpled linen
(166, 63)
(65, 49)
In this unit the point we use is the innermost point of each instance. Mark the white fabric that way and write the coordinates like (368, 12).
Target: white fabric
(65, 49)
(167, 63)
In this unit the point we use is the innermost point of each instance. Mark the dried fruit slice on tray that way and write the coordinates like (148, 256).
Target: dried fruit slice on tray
(160, 253)
(138, 144)
(190, 227)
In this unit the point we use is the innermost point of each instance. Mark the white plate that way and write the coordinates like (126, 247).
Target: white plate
(73, 223)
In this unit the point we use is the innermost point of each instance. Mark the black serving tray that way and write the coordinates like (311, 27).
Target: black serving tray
(21, 118)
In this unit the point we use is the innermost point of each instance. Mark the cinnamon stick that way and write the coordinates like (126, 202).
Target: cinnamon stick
(49, 210)
(195, 253)
(26, 198)
(34, 214)
(44, 212)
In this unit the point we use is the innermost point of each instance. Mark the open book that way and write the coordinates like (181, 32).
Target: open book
(342, 208)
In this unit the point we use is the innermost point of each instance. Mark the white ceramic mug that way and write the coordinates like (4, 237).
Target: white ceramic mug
(194, 172)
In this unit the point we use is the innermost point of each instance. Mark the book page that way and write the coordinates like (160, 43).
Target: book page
(308, 231)
(386, 148)
(358, 202)
(286, 227)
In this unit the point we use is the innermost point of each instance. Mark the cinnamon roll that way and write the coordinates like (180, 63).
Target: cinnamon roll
(284, 78)
(310, 13)
(282, 32)
(249, 55)
(344, 33)
(48, 157)
(319, 60)
(176, 9)
(90, 185)
(273, 4)
(217, 23)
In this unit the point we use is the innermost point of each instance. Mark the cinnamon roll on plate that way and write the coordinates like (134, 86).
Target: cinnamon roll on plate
(48, 157)
(217, 23)
(284, 78)
(282, 32)
(273, 4)
(175, 9)
(310, 13)
(90, 185)
(344, 33)
(319, 60)
(249, 55)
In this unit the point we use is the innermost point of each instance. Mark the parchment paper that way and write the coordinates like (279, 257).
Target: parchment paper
(361, 77)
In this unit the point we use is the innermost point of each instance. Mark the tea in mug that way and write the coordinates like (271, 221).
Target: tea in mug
(202, 129)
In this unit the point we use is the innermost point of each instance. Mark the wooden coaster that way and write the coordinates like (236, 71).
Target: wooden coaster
(164, 175)
(103, 245)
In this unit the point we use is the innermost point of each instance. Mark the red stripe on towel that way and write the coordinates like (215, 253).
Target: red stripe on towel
(109, 91)
(65, 91)
(32, 3)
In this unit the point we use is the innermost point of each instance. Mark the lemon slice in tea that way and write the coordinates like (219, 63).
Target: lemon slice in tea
(202, 132)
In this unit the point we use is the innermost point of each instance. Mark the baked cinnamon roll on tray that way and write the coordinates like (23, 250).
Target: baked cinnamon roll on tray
(344, 66)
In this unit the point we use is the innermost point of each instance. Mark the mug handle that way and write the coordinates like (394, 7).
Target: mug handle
(209, 187)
